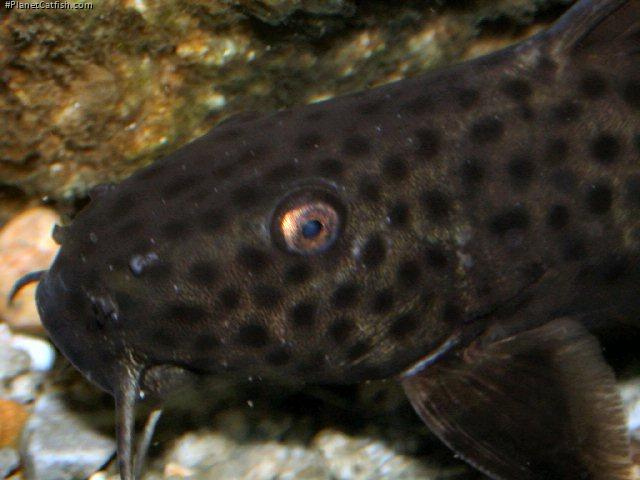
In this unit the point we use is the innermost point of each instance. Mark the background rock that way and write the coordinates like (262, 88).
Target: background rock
(88, 96)
(60, 444)
(9, 461)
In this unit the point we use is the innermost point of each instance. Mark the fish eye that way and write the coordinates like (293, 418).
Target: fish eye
(308, 222)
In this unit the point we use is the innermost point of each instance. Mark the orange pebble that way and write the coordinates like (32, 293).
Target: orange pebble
(13, 416)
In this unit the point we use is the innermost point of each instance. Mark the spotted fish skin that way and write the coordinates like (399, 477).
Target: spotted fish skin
(461, 188)
(505, 184)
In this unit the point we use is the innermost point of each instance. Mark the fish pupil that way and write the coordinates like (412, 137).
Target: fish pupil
(311, 229)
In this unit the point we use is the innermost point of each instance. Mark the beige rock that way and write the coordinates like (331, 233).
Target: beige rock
(25, 246)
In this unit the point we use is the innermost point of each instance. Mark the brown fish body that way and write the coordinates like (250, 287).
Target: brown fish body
(476, 205)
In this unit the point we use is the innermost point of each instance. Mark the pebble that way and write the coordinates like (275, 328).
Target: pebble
(41, 352)
(25, 246)
(9, 461)
(13, 417)
(21, 353)
(630, 394)
(60, 444)
(13, 362)
(366, 458)
(23, 388)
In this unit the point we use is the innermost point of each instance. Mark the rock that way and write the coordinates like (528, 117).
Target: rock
(59, 443)
(13, 361)
(25, 246)
(9, 461)
(213, 456)
(74, 116)
(24, 388)
(13, 417)
(354, 458)
(630, 393)
(276, 11)
(41, 352)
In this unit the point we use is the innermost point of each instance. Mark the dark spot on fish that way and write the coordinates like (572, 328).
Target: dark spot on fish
(314, 362)
(436, 203)
(314, 115)
(229, 298)
(557, 151)
(515, 218)
(599, 198)
(126, 303)
(633, 191)
(212, 220)
(180, 185)
(130, 228)
(206, 342)
(254, 152)
(467, 98)
(521, 171)
(303, 314)
(184, 312)
(472, 172)
(309, 141)
(123, 205)
(593, 85)
(279, 357)
(298, 273)
(283, 172)
(558, 217)
(574, 249)
(606, 148)
(222, 172)
(356, 146)
(341, 329)
(451, 312)
(566, 112)
(203, 273)
(228, 134)
(330, 167)
(517, 89)
(370, 108)
(175, 229)
(382, 301)
(373, 252)
(427, 143)
(345, 295)
(436, 257)
(359, 350)
(253, 259)
(409, 273)
(246, 196)
(399, 215)
(394, 168)
(417, 106)
(631, 93)
(487, 129)
(403, 326)
(164, 337)
(253, 335)
(266, 296)
(369, 189)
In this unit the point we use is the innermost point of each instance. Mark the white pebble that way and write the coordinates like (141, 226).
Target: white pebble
(41, 351)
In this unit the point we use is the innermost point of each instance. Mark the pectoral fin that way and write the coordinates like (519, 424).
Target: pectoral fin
(540, 404)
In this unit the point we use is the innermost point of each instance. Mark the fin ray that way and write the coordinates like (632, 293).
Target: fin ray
(538, 404)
